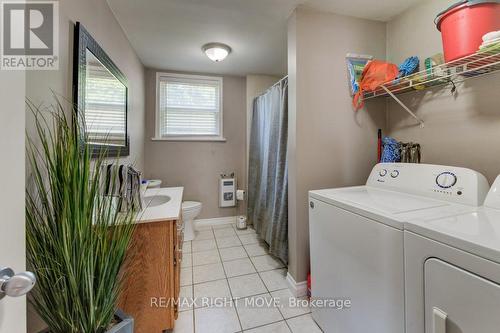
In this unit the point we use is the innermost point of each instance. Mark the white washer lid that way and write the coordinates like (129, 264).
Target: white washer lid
(187, 205)
(389, 207)
(476, 232)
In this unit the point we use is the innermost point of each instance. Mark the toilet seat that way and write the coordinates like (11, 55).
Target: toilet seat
(190, 205)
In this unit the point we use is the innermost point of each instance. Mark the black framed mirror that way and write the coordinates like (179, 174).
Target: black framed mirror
(100, 92)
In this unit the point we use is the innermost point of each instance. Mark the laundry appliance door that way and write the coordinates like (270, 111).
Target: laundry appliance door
(457, 301)
(358, 259)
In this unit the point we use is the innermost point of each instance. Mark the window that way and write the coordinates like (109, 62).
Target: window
(189, 107)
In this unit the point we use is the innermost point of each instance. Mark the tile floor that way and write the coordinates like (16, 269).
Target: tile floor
(231, 266)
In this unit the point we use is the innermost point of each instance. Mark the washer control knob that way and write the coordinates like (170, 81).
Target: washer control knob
(383, 173)
(395, 174)
(446, 180)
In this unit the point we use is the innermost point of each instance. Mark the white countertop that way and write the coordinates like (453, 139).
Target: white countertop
(165, 212)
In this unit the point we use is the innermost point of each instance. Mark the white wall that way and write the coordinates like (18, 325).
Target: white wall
(330, 145)
(12, 235)
(462, 130)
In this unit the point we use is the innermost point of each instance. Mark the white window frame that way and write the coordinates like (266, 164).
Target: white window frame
(158, 137)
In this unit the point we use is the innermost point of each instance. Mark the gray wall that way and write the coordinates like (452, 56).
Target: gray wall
(461, 131)
(197, 165)
(330, 145)
(98, 19)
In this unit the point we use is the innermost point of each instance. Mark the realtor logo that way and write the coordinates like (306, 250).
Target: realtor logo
(30, 35)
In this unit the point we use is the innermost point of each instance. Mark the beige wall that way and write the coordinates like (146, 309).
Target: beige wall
(461, 130)
(98, 19)
(330, 145)
(197, 165)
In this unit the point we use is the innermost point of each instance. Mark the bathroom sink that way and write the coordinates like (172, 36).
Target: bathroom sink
(157, 200)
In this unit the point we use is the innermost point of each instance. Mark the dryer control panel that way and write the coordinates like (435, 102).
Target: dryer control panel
(454, 184)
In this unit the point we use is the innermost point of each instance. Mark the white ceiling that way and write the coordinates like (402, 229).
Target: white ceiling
(169, 34)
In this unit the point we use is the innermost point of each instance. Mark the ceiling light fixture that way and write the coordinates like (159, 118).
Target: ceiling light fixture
(216, 51)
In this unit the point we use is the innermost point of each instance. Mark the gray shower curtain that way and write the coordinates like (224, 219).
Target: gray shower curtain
(268, 169)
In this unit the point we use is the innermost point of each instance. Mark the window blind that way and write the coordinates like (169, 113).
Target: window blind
(105, 103)
(189, 107)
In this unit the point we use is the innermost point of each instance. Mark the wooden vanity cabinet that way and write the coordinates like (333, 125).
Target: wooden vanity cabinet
(152, 276)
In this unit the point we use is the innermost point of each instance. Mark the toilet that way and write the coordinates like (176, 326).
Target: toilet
(190, 210)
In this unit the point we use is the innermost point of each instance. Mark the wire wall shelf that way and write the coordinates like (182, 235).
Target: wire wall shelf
(481, 63)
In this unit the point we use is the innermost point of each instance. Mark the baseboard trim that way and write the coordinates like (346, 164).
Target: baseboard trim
(298, 289)
(215, 221)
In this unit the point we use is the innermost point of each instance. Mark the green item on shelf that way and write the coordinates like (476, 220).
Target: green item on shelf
(490, 48)
(432, 69)
(431, 62)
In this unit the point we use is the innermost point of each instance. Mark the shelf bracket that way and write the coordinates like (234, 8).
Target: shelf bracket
(407, 109)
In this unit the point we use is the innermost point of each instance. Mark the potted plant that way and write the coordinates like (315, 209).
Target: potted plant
(77, 241)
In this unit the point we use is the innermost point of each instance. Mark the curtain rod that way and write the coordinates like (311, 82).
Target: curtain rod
(274, 84)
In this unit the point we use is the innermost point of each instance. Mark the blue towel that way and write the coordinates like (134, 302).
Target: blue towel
(390, 152)
(409, 66)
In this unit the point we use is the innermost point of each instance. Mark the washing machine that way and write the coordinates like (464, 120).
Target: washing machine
(452, 268)
(357, 241)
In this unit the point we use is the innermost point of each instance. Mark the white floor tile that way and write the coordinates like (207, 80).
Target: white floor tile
(279, 327)
(248, 230)
(187, 260)
(185, 298)
(275, 279)
(246, 285)
(291, 309)
(206, 257)
(252, 238)
(257, 249)
(303, 324)
(203, 245)
(226, 232)
(228, 242)
(266, 263)
(202, 227)
(212, 292)
(238, 267)
(186, 247)
(185, 322)
(223, 226)
(207, 273)
(232, 253)
(204, 234)
(186, 276)
(216, 320)
(257, 311)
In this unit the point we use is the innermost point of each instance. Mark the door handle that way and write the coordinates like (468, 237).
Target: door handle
(439, 320)
(15, 285)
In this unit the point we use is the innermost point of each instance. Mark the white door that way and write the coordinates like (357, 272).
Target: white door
(12, 180)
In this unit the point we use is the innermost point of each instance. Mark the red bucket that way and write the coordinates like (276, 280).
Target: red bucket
(464, 24)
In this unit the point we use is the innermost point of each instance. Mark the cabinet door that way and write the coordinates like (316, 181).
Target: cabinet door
(178, 242)
(457, 301)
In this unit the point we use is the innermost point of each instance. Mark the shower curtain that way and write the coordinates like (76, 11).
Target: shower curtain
(268, 169)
